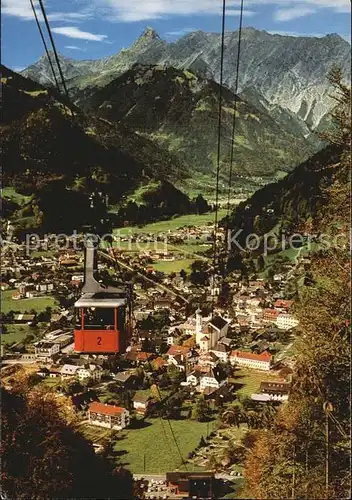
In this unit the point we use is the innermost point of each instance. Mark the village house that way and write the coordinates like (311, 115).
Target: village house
(226, 341)
(191, 484)
(286, 321)
(141, 403)
(108, 416)
(125, 379)
(178, 355)
(143, 357)
(221, 351)
(277, 391)
(283, 305)
(250, 360)
(24, 318)
(193, 378)
(158, 364)
(163, 303)
(46, 350)
(68, 371)
(270, 315)
(204, 343)
(214, 377)
(208, 359)
(93, 372)
(54, 371)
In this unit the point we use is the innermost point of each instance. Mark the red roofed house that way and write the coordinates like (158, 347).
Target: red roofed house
(177, 355)
(179, 350)
(158, 363)
(143, 357)
(270, 314)
(283, 304)
(257, 361)
(109, 416)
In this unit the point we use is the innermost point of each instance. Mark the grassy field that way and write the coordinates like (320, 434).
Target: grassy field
(172, 224)
(159, 246)
(248, 381)
(154, 446)
(173, 267)
(15, 333)
(22, 305)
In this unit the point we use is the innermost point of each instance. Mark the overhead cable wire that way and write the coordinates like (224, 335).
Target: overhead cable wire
(235, 108)
(55, 51)
(216, 222)
(173, 434)
(45, 45)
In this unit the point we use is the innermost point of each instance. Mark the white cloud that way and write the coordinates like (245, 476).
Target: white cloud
(74, 32)
(70, 16)
(293, 13)
(22, 9)
(74, 47)
(142, 10)
(17, 8)
(236, 12)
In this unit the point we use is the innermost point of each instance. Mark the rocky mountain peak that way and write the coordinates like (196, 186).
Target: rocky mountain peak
(149, 34)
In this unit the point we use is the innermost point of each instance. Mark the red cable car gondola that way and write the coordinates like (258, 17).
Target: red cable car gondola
(100, 313)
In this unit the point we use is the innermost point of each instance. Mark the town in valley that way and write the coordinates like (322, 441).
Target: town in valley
(207, 358)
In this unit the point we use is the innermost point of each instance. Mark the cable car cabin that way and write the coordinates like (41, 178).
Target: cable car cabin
(100, 324)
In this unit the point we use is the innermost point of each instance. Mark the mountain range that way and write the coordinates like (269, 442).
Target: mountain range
(54, 156)
(179, 110)
(288, 73)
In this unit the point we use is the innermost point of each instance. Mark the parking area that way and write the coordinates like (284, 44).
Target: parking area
(153, 486)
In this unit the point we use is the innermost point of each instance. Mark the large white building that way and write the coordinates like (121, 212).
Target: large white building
(286, 321)
(109, 416)
(250, 360)
(46, 350)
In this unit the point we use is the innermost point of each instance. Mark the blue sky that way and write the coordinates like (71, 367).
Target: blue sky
(90, 29)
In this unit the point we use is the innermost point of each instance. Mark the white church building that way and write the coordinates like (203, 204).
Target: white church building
(210, 331)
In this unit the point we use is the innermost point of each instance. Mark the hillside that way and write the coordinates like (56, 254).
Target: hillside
(59, 159)
(289, 72)
(291, 203)
(302, 433)
(179, 111)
